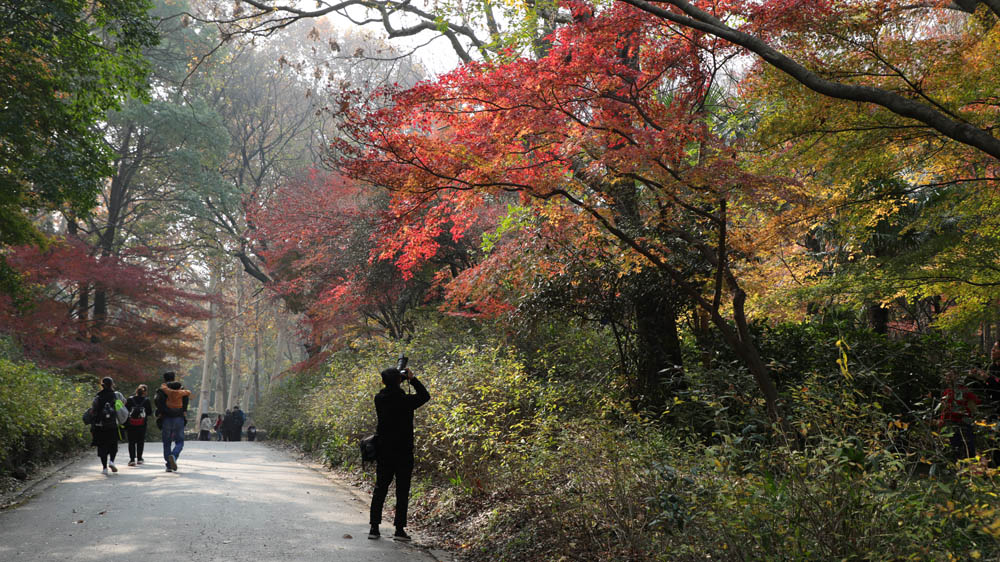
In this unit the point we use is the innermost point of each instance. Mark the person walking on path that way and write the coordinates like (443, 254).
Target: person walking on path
(105, 426)
(236, 431)
(394, 445)
(227, 425)
(205, 426)
(218, 428)
(171, 406)
(139, 412)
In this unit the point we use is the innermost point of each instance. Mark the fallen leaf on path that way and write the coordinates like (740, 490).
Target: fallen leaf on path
(348, 537)
(78, 521)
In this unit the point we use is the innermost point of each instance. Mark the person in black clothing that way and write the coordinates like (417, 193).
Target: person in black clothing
(104, 430)
(236, 430)
(394, 443)
(140, 409)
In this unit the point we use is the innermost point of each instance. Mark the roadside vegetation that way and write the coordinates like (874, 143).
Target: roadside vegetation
(529, 450)
(40, 413)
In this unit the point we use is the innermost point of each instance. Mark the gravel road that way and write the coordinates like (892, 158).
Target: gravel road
(228, 502)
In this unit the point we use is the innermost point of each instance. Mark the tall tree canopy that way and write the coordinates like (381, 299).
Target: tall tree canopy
(64, 63)
(613, 121)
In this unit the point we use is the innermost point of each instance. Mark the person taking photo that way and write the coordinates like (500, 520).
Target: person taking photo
(394, 445)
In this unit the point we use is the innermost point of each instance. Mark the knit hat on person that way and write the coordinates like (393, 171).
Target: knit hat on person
(391, 376)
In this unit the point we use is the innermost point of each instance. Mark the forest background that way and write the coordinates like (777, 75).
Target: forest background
(684, 280)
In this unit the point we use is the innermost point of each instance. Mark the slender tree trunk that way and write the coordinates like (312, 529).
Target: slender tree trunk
(279, 352)
(236, 377)
(206, 365)
(256, 363)
(222, 379)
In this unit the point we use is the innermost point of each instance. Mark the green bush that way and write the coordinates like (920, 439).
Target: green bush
(40, 414)
(534, 454)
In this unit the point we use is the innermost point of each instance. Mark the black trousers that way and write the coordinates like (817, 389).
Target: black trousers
(107, 444)
(400, 469)
(136, 440)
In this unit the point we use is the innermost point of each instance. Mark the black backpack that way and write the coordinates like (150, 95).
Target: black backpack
(105, 415)
(369, 448)
(137, 415)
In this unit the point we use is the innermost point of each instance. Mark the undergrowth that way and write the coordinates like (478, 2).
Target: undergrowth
(524, 455)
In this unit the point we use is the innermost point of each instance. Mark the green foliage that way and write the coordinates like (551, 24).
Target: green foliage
(65, 63)
(39, 412)
(532, 452)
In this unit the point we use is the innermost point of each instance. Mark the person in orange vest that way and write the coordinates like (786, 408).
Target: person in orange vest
(171, 406)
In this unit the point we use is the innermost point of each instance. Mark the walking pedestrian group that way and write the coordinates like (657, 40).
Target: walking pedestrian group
(394, 442)
(112, 417)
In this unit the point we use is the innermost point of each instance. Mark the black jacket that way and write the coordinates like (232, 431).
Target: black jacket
(395, 418)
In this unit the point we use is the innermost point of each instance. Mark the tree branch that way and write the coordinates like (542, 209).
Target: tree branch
(703, 21)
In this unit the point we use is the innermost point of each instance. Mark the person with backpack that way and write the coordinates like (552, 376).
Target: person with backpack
(104, 427)
(171, 406)
(394, 445)
(218, 428)
(139, 411)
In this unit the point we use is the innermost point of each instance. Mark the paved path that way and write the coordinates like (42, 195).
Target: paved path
(229, 502)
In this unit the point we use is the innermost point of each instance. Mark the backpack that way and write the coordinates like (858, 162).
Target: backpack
(105, 415)
(137, 416)
(121, 412)
(369, 448)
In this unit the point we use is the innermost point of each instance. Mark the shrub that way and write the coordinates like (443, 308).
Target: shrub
(39, 415)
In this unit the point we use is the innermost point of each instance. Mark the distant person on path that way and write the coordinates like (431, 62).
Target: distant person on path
(105, 426)
(218, 428)
(236, 430)
(205, 426)
(251, 432)
(394, 443)
(139, 412)
(958, 407)
(227, 425)
(171, 405)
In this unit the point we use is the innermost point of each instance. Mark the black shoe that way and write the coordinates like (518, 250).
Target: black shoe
(401, 535)
(373, 533)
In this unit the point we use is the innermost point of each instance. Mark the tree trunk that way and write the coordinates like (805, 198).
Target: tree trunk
(659, 360)
(256, 358)
(878, 315)
(222, 380)
(206, 365)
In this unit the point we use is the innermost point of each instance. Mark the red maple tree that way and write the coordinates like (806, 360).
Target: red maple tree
(348, 260)
(611, 123)
(145, 328)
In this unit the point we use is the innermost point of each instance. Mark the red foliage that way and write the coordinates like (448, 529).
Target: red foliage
(145, 327)
(611, 120)
(331, 247)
